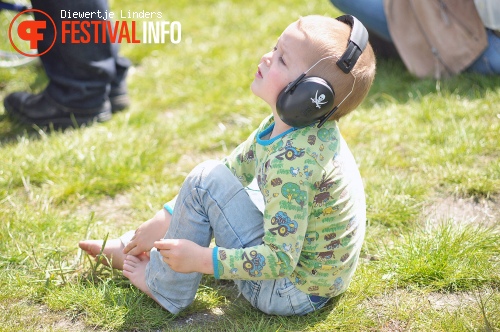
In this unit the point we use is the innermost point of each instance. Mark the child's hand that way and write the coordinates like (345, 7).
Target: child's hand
(150, 231)
(185, 256)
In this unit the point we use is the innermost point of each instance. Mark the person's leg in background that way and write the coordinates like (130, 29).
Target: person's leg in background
(82, 76)
(371, 14)
(489, 62)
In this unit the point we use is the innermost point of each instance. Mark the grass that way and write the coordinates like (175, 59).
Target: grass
(418, 143)
(449, 258)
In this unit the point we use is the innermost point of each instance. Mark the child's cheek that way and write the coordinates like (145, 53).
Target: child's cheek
(277, 82)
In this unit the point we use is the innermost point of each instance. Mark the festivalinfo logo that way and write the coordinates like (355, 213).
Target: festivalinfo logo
(133, 27)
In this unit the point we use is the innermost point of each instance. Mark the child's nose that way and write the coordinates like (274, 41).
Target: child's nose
(266, 58)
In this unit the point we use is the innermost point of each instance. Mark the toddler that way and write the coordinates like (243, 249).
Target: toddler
(303, 248)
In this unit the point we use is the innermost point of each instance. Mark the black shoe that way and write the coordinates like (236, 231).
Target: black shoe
(119, 102)
(41, 110)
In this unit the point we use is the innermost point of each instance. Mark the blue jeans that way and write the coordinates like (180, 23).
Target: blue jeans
(489, 61)
(81, 75)
(371, 14)
(213, 203)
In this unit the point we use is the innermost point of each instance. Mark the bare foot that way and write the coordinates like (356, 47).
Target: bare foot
(134, 268)
(113, 251)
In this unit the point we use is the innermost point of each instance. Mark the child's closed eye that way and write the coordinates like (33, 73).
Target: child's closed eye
(282, 61)
(280, 58)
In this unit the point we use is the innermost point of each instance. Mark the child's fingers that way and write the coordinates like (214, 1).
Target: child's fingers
(131, 245)
(135, 251)
(165, 244)
(162, 244)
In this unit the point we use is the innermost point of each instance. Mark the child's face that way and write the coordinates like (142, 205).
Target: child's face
(280, 66)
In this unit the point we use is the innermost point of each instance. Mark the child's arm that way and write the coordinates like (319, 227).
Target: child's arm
(150, 231)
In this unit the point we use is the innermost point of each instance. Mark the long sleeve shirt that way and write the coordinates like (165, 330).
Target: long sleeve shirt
(314, 215)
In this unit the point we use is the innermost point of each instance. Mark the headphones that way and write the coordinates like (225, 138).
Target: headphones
(310, 99)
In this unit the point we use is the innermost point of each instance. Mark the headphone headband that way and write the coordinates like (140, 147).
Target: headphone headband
(356, 45)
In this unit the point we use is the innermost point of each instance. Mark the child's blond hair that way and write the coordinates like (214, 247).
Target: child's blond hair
(329, 37)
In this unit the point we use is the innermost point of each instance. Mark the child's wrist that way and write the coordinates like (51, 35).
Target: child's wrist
(205, 263)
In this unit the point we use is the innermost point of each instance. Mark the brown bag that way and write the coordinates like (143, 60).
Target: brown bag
(436, 38)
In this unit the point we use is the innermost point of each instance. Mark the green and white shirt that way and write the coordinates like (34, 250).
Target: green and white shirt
(314, 215)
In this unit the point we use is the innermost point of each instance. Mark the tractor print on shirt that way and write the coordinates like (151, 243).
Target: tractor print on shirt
(285, 224)
(253, 264)
(291, 152)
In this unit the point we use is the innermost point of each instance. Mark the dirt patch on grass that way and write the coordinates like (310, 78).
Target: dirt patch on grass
(117, 209)
(394, 309)
(464, 210)
(394, 325)
(37, 317)
(450, 301)
(198, 319)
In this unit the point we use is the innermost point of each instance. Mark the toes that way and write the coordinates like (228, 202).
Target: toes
(129, 266)
(84, 245)
(132, 259)
(144, 257)
(126, 273)
(91, 247)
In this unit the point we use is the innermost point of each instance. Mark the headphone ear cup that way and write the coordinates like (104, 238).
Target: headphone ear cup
(305, 103)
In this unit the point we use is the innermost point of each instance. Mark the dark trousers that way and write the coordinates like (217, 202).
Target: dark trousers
(82, 75)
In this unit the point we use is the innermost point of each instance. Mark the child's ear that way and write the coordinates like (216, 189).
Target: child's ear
(305, 101)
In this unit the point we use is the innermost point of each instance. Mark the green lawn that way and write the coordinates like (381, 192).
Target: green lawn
(429, 153)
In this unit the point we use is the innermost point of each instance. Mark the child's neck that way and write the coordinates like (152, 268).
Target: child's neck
(279, 127)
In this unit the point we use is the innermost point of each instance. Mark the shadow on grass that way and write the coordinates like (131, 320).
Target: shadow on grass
(243, 317)
(217, 307)
(235, 313)
(11, 130)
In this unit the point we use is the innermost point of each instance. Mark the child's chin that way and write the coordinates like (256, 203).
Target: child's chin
(256, 92)
(253, 87)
